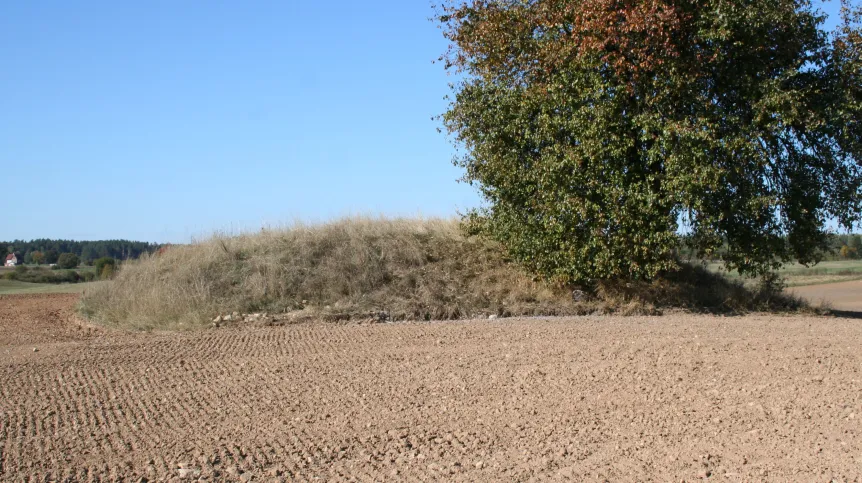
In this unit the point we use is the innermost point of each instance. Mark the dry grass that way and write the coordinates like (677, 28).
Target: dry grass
(409, 268)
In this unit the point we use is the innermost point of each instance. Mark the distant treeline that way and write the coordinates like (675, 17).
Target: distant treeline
(840, 247)
(87, 251)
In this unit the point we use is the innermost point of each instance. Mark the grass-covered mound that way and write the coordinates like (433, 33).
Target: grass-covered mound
(406, 268)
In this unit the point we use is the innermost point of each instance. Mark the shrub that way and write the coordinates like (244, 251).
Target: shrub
(105, 267)
(107, 272)
(67, 260)
(38, 257)
(849, 252)
(51, 256)
(43, 275)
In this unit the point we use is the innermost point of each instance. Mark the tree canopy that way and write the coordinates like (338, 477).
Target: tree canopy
(598, 131)
(67, 260)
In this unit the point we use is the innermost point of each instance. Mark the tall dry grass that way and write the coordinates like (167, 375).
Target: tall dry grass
(409, 268)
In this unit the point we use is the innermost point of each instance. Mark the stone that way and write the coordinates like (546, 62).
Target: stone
(492, 317)
(187, 473)
(217, 319)
(579, 295)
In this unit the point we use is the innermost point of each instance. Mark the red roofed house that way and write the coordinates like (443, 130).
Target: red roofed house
(11, 260)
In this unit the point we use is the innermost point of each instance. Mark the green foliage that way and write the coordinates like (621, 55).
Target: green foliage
(37, 257)
(43, 275)
(51, 256)
(105, 267)
(598, 130)
(67, 260)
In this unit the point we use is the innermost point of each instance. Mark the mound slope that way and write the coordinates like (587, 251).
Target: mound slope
(407, 269)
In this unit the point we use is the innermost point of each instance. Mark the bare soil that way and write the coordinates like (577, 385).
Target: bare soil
(677, 397)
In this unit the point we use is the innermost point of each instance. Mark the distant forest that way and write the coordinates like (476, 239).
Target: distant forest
(87, 251)
(840, 247)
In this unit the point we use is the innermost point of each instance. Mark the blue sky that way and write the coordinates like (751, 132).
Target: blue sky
(164, 120)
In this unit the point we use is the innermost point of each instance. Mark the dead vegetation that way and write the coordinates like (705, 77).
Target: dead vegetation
(418, 269)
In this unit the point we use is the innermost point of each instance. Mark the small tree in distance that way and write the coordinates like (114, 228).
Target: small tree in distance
(51, 256)
(38, 257)
(598, 130)
(67, 260)
(105, 267)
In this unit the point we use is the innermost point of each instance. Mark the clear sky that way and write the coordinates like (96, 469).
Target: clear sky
(163, 120)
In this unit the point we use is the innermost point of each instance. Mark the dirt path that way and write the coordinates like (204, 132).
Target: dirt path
(587, 399)
(841, 296)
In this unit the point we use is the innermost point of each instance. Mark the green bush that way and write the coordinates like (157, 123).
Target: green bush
(42, 275)
(51, 256)
(67, 260)
(105, 267)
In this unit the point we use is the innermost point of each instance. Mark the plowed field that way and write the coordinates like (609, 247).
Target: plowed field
(594, 398)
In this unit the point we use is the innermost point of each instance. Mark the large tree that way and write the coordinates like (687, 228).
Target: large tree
(598, 131)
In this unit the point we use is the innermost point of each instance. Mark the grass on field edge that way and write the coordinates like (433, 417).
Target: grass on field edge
(14, 287)
(358, 268)
(806, 282)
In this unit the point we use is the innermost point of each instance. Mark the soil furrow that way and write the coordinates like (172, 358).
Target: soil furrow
(593, 398)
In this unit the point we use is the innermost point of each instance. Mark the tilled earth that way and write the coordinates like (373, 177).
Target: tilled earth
(845, 296)
(679, 397)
